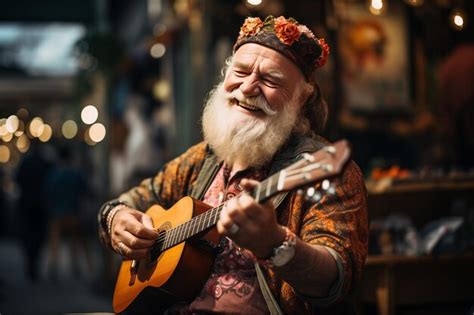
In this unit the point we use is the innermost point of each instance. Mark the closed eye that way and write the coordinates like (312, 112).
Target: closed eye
(240, 73)
(270, 83)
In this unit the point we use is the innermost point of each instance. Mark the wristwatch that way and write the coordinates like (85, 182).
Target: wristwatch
(284, 253)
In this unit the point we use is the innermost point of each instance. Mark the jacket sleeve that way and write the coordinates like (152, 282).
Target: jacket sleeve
(170, 184)
(340, 223)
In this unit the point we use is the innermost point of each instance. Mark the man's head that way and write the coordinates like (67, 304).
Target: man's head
(267, 93)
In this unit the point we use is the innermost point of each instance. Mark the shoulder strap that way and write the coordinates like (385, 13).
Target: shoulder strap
(209, 169)
(272, 304)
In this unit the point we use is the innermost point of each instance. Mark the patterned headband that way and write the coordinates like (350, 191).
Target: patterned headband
(289, 38)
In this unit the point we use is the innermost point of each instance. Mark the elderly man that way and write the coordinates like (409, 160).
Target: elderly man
(288, 256)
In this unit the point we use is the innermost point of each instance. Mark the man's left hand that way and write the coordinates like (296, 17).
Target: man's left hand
(250, 224)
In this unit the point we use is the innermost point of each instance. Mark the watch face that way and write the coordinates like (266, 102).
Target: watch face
(283, 255)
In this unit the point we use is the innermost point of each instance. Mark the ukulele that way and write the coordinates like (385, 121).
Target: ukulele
(181, 259)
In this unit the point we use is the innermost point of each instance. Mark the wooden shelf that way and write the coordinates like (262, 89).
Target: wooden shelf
(376, 260)
(391, 281)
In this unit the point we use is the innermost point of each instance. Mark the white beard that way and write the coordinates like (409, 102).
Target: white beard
(237, 137)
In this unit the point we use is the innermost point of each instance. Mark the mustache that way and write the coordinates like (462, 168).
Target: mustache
(258, 101)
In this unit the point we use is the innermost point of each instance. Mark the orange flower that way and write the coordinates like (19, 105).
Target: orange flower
(321, 61)
(251, 26)
(286, 31)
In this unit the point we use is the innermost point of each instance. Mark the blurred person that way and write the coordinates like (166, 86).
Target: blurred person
(33, 217)
(456, 88)
(298, 257)
(66, 189)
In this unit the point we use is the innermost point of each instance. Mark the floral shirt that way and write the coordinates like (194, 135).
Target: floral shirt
(233, 285)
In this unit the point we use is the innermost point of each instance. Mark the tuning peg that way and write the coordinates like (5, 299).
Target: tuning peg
(331, 190)
(313, 194)
(300, 192)
(310, 192)
(317, 196)
(325, 184)
(328, 188)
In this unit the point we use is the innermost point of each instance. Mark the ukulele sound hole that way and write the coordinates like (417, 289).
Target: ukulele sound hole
(157, 249)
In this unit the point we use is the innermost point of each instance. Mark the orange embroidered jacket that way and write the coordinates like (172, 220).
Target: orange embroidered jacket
(339, 222)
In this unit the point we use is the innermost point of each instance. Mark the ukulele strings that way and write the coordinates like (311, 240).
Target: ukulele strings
(162, 237)
(165, 233)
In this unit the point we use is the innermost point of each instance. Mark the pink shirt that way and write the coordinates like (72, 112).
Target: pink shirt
(233, 285)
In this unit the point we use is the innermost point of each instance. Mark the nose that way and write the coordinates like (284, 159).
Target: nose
(249, 86)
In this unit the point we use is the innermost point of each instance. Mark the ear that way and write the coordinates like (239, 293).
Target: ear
(306, 92)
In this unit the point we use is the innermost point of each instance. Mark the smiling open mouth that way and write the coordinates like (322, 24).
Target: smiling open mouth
(244, 105)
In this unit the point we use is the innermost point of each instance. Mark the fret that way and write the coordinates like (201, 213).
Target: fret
(281, 179)
(178, 231)
(257, 196)
(183, 231)
(269, 185)
(217, 212)
(200, 223)
(187, 229)
(208, 218)
(175, 234)
(193, 226)
(196, 226)
(166, 239)
(274, 180)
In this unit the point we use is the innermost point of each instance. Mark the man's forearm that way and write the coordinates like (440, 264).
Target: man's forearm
(311, 272)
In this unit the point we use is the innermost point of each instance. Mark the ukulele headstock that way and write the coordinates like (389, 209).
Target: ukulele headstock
(315, 194)
(324, 163)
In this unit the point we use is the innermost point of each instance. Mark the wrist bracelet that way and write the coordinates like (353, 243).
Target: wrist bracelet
(111, 215)
(105, 211)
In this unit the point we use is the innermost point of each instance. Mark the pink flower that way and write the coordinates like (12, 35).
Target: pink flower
(286, 31)
(251, 26)
(304, 30)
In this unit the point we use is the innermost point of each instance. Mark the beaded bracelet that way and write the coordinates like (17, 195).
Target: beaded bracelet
(105, 210)
(111, 215)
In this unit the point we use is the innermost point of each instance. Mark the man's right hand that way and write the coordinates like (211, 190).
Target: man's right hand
(132, 233)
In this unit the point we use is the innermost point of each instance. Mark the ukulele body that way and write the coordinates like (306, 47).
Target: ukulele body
(178, 274)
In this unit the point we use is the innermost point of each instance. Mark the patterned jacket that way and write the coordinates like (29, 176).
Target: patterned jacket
(339, 222)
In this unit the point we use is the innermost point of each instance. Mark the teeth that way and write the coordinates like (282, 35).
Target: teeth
(247, 106)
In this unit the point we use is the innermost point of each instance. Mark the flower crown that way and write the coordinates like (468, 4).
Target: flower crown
(288, 37)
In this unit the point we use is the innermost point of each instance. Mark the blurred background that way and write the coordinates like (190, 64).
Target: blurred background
(98, 94)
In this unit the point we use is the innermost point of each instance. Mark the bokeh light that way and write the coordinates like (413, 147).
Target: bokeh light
(4, 154)
(7, 137)
(157, 50)
(254, 2)
(23, 143)
(3, 127)
(89, 114)
(12, 123)
(97, 132)
(36, 127)
(47, 133)
(69, 129)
